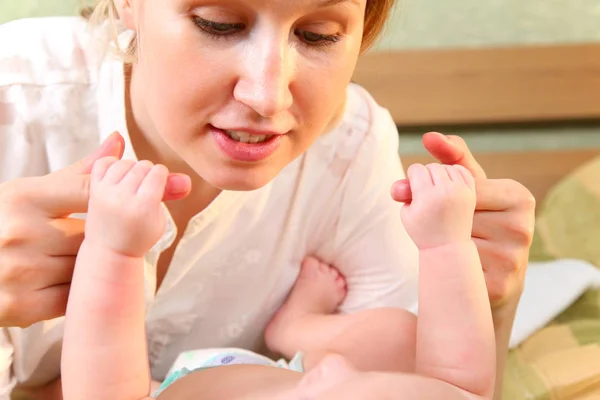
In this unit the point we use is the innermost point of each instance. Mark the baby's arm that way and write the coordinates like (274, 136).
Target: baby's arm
(455, 336)
(454, 330)
(104, 349)
(104, 354)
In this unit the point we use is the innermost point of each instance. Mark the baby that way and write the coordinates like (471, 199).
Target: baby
(447, 352)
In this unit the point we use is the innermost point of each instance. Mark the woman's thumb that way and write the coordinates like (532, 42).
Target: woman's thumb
(113, 146)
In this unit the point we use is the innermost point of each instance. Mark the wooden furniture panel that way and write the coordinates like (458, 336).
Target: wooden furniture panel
(486, 85)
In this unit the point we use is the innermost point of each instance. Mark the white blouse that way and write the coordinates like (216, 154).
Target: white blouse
(61, 94)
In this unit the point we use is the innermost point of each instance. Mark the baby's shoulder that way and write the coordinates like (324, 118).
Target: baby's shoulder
(45, 51)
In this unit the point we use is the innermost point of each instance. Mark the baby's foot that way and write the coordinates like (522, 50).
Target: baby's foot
(319, 290)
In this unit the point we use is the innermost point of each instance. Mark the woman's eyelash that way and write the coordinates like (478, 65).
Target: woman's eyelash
(218, 29)
(317, 39)
(221, 30)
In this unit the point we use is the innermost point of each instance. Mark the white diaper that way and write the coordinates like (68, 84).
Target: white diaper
(191, 361)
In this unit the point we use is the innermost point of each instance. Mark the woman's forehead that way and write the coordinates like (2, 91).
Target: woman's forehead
(279, 4)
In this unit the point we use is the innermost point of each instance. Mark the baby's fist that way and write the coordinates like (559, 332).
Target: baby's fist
(442, 207)
(125, 212)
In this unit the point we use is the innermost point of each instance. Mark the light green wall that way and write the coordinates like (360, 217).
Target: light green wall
(436, 23)
(454, 23)
(473, 23)
(13, 9)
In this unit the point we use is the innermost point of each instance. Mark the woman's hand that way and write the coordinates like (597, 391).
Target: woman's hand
(39, 241)
(503, 222)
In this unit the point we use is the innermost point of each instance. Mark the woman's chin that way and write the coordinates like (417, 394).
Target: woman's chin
(242, 180)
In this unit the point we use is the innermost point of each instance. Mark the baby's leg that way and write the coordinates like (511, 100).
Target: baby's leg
(379, 339)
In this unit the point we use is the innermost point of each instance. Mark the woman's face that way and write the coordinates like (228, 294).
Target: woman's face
(240, 88)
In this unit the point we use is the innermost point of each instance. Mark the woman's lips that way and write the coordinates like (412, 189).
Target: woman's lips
(246, 152)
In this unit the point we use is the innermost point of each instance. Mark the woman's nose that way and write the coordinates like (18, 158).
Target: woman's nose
(265, 78)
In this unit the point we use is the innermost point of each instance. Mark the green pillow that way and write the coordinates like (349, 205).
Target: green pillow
(568, 222)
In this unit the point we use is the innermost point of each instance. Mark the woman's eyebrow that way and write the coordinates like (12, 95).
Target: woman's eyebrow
(330, 3)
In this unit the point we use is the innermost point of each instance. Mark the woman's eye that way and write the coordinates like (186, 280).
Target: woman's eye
(222, 29)
(217, 28)
(317, 39)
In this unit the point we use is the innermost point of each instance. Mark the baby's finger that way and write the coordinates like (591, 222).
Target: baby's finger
(101, 166)
(134, 178)
(454, 174)
(153, 186)
(419, 178)
(466, 175)
(439, 174)
(118, 170)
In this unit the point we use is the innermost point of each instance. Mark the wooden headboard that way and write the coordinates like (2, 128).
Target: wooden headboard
(485, 85)
(492, 86)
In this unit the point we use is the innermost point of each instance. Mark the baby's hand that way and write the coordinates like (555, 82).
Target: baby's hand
(125, 213)
(442, 207)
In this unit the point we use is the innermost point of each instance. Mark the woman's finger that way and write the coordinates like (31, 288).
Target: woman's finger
(452, 150)
(60, 270)
(60, 237)
(26, 308)
(501, 267)
(502, 194)
(178, 187)
(401, 191)
(28, 270)
(67, 191)
(512, 227)
(54, 299)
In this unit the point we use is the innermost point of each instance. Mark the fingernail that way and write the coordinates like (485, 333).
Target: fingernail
(109, 137)
(107, 142)
(179, 184)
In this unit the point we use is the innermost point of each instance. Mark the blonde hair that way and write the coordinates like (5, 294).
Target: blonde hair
(104, 11)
